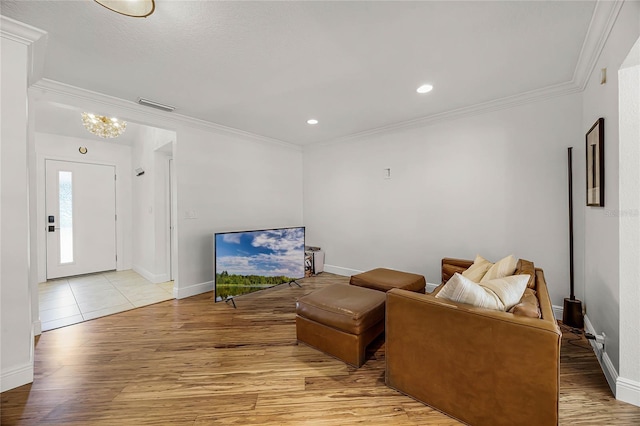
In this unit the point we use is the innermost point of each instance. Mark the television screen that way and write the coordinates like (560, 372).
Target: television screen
(254, 260)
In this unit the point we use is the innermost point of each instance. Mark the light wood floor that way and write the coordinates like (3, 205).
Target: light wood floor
(194, 362)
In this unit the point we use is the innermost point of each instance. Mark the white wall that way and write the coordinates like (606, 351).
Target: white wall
(628, 385)
(16, 362)
(229, 179)
(56, 147)
(149, 204)
(493, 184)
(229, 183)
(600, 246)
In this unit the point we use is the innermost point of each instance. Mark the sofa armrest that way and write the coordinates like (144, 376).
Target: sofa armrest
(480, 366)
(451, 265)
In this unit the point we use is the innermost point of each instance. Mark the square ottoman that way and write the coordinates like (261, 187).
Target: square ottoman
(383, 279)
(341, 320)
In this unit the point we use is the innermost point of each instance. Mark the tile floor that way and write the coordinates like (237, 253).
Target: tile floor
(67, 301)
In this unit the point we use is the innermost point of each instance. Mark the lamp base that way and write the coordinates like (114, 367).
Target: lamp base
(572, 313)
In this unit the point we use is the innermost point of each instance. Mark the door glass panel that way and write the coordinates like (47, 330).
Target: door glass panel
(65, 192)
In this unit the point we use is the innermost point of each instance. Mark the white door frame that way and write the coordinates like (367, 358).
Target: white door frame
(89, 257)
(171, 218)
(123, 215)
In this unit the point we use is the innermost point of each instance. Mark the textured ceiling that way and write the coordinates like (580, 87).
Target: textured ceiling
(266, 67)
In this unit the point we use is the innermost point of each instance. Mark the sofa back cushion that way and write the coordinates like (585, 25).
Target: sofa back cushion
(450, 266)
(529, 305)
(527, 267)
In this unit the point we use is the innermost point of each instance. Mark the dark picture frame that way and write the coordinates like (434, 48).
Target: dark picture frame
(595, 164)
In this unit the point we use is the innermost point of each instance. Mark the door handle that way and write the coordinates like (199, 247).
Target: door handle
(52, 228)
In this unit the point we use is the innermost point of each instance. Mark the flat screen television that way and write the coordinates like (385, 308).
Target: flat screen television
(247, 261)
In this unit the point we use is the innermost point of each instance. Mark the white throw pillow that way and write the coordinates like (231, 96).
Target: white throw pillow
(508, 289)
(502, 268)
(463, 290)
(500, 294)
(478, 269)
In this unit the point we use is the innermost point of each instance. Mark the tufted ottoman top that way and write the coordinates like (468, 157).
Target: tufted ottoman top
(383, 279)
(345, 307)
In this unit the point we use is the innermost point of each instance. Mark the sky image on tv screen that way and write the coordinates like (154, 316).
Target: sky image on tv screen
(252, 260)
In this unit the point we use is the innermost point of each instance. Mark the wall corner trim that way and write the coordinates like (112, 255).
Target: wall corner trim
(154, 278)
(430, 287)
(628, 391)
(76, 95)
(19, 32)
(602, 21)
(17, 376)
(339, 270)
(610, 372)
(536, 95)
(558, 312)
(192, 290)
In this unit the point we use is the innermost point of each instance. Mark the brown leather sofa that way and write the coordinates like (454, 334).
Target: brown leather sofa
(480, 366)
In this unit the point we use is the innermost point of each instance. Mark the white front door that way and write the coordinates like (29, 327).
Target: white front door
(80, 218)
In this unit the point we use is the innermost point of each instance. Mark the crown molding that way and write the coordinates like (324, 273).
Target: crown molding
(72, 95)
(536, 95)
(34, 38)
(19, 32)
(604, 17)
(602, 21)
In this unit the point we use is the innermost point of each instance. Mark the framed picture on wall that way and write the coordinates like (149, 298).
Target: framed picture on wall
(595, 164)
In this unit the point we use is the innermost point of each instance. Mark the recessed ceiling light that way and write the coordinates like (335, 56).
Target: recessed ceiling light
(312, 121)
(425, 88)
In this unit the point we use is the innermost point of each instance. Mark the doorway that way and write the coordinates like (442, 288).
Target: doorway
(80, 205)
(136, 273)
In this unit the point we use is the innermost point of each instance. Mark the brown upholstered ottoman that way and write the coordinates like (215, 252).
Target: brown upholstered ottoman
(341, 320)
(385, 279)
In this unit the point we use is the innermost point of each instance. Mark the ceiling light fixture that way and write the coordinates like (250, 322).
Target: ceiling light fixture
(133, 8)
(105, 127)
(425, 88)
(312, 121)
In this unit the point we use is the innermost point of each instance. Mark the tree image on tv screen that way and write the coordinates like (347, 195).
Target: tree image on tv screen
(254, 260)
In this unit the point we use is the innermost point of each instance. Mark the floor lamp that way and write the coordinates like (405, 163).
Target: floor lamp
(572, 312)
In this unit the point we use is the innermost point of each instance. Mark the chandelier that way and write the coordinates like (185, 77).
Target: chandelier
(105, 127)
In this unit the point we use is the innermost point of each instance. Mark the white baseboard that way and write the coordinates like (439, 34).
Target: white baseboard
(606, 365)
(37, 328)
(192, 290)
(15, 377)
(154, 278)
(628, 391)
(558, 312)
(610, 372)
(430, 287)
(623, 389)
(339, 270)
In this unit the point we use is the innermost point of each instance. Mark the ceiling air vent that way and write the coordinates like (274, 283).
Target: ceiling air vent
(157, 105)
